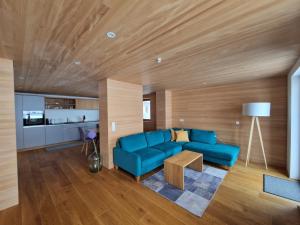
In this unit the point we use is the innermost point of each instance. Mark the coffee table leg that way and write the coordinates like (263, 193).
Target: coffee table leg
(197, 164)
(180, 178)
(174, 175)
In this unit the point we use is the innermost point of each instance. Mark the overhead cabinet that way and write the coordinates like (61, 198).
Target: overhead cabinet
(60, 103)
(33, 103)
(87, 104)
(66, 103)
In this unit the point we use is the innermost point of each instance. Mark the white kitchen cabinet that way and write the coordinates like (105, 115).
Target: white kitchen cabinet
(33, 103)
(34, 136)
(54, 134)
(71, 132)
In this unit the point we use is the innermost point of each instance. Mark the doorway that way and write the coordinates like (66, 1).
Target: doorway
(149, 112)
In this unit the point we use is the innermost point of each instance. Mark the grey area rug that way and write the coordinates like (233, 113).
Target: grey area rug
(63, 146)
(200, 188)
(289, 189)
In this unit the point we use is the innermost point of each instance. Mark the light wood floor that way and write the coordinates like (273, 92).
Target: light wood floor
(56, 188)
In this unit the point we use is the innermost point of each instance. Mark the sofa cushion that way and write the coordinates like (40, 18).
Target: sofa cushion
(203, 136)
(169, 148)
(173, 135)
(219, 151)
(149, 156)
(181, 142)
(133, 142)
(154, 137)
(182, 136)
(167, 135)
(186, 129)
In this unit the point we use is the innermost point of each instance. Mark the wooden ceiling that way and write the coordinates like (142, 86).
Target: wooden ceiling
(200, 42)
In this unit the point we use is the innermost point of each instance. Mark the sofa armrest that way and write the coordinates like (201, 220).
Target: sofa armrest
(127, 161)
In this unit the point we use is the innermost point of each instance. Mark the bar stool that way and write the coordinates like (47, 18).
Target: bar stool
(87, 138)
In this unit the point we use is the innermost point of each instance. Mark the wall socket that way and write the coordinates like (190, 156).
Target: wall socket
(113, 127)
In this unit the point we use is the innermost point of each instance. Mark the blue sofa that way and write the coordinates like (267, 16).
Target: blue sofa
(140, 153)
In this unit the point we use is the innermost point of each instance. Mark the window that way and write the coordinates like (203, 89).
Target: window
(147, 109)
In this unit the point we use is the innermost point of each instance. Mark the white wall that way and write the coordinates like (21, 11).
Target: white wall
(293, 163)
(75, 115)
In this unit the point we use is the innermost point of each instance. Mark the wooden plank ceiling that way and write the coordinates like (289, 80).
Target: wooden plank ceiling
(200, 42)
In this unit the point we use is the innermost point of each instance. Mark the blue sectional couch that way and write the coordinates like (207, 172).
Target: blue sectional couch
(140, 153)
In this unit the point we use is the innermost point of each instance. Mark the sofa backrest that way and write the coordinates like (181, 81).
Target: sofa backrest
(186, 129)
(154, 137)
(203, 136)
(133, 142)
(167, 135)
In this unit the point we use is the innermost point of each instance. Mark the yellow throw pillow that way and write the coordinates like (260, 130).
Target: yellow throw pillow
(173, 135)
(182, 135)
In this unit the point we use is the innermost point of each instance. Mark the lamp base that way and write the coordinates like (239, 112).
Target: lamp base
(255, 119)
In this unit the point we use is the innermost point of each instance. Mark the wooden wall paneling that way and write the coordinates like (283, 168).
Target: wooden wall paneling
(122, 103)
(104, 132)
(168, 109)
(218, 108)
(8, 149)
(164, 109)
(151, 124)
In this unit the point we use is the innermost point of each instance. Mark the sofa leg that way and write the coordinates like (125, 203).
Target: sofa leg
(228, 168)
(137, 179)
(116, 167)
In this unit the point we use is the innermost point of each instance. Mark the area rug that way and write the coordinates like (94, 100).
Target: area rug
(281, 187)
(64, 146)
(200, 188)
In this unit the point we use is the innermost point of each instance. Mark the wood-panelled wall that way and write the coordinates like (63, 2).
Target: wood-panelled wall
(151, 124)
(218, 108)
(8, 149)
(163, 109)
(122, 103)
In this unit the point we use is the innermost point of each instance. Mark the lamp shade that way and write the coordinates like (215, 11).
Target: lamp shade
(257, 109)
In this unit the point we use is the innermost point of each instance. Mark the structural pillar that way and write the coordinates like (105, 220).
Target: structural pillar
(8, 149)
(121, 110)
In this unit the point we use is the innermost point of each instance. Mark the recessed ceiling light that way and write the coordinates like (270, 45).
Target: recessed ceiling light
(111, 35)
(76, 61)
(158, 60)
(204, 83)
(21, 77)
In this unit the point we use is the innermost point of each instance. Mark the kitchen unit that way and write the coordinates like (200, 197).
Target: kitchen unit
(34, 136)
(32, 129)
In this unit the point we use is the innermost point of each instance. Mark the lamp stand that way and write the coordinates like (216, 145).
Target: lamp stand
(255, 118)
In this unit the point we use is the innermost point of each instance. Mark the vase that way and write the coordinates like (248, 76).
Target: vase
(95, 164)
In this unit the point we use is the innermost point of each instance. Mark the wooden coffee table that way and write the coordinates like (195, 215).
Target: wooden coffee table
(174, 166)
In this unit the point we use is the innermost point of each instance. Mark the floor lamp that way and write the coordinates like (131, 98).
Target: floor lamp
(256, 110)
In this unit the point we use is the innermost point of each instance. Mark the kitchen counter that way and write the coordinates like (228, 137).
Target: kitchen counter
(70, 123)
(41, 135)
(59, 124)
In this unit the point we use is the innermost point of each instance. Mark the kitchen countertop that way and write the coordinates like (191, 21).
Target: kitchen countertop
(59, 124)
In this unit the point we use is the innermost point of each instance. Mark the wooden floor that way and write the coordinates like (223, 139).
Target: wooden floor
(56, 188)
